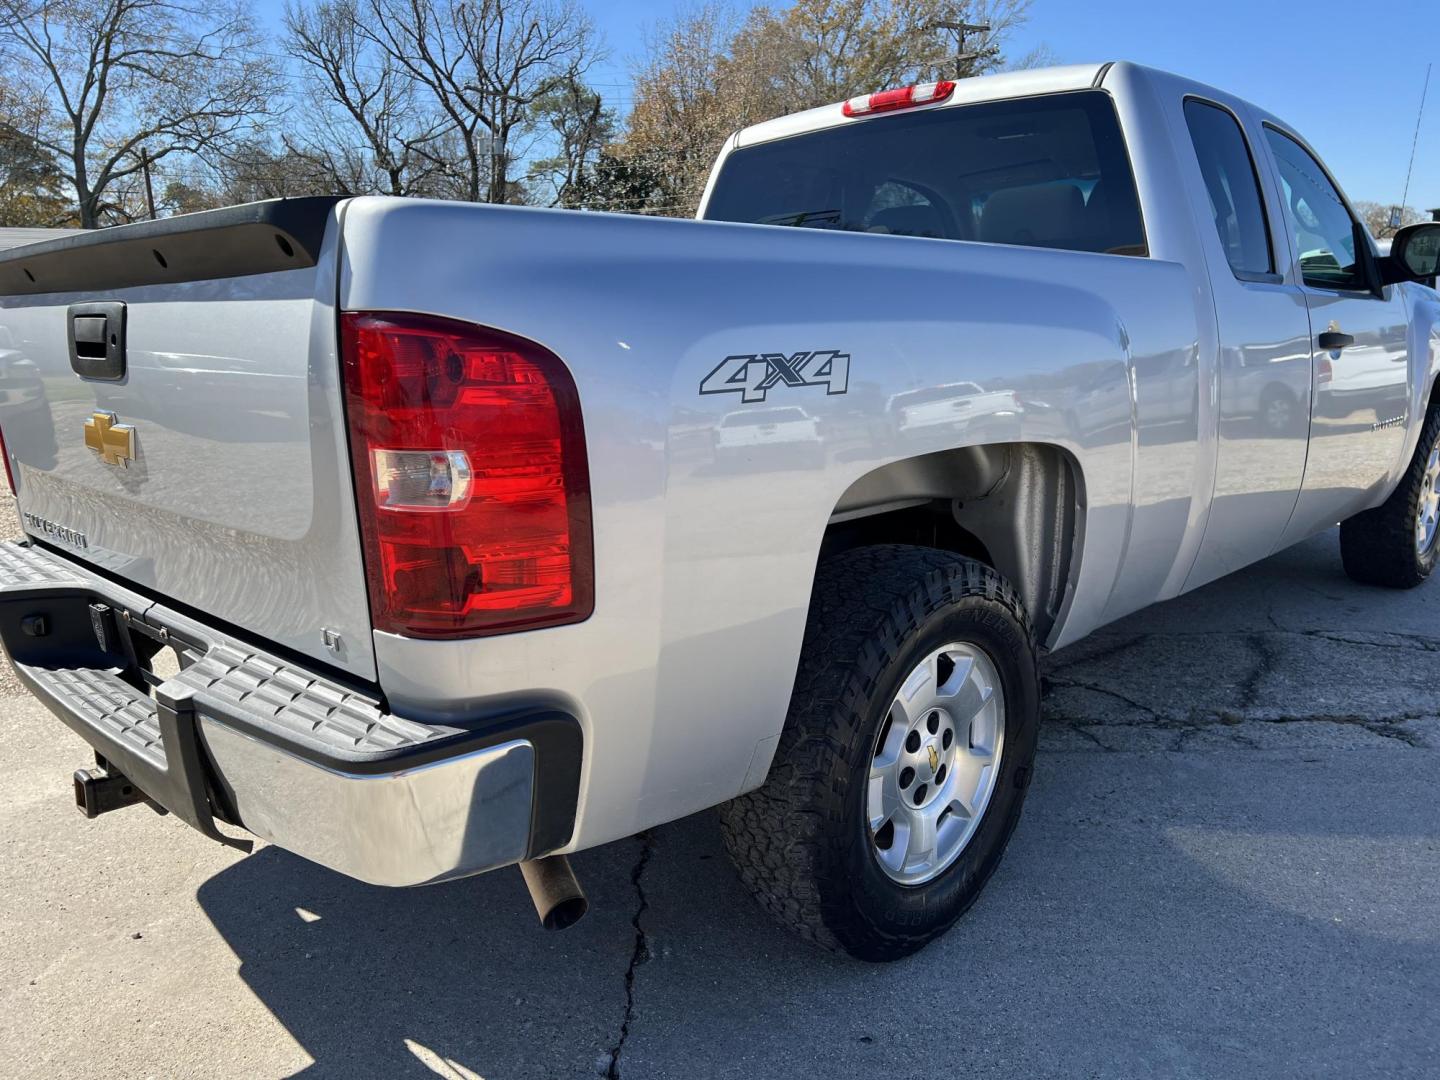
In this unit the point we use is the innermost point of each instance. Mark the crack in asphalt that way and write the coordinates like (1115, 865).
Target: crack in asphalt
(1413, 642)
(1264, 659)
(1399, 640)
(1081, 729)
(1390, 727)
(639, 956)
(1248, 690)
(1075, 684)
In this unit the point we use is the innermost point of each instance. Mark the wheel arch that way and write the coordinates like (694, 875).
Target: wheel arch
(1017, 507)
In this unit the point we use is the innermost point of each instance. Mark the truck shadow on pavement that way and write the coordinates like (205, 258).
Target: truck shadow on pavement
(1261, 896)
(382, 982)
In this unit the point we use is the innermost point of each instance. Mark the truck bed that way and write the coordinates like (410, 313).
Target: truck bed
(240, 504)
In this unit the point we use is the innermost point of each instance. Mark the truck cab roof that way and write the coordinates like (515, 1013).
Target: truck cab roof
(1010, 84)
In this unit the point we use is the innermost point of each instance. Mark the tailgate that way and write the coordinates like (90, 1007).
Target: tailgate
(170, 400)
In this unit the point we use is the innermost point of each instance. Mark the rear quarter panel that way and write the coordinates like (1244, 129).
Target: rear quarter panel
(704, 567)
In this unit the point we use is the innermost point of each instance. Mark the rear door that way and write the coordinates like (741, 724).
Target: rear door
(176, 417)
(1264, 357)
(1359, 345)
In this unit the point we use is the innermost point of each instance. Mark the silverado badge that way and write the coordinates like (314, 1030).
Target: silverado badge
(113, 441)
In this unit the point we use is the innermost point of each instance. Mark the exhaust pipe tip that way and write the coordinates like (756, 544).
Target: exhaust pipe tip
(566, 914)
(556, 894)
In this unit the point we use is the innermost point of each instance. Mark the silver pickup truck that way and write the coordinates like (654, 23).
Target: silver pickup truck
(423, 538)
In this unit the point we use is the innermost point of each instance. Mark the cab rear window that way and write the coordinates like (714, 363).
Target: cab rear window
(1048, 171)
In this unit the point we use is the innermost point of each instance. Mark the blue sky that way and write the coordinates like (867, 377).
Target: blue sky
(1347, 76)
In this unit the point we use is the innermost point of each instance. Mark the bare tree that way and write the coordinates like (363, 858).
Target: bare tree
(126, 81)
(486, 63)
(1376, 217)
(363, 117)
(250, 170)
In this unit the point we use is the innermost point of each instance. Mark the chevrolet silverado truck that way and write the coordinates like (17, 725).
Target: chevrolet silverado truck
(391, 531)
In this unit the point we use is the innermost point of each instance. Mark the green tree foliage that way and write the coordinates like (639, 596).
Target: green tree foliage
(32, 187)
(579, 126)
(617, 184)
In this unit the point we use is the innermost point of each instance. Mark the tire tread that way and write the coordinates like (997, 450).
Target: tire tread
(866, 603)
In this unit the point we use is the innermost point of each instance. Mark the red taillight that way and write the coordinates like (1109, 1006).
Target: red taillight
(903, 98)
(470, 471)
(9, 472)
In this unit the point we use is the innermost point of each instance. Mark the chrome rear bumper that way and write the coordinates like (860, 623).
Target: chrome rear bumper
(449, 818)
(297, 757)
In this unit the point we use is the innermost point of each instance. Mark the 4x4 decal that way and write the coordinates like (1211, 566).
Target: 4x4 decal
(753, 375)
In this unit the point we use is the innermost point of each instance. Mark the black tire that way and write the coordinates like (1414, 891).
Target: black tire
(1378, 546)
(800, 841)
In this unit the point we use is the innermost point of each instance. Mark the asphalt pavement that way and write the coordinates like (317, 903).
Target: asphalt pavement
(1229, 865)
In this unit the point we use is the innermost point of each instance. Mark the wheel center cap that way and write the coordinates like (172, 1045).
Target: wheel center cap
(927, 761)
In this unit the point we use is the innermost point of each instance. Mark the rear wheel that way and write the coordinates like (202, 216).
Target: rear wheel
(1398, 542)
(902, 767)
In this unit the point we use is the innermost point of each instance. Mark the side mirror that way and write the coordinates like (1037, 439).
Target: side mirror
(1414, 254)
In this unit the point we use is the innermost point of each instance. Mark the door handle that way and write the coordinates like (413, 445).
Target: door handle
(1335, 340)
(96, 333)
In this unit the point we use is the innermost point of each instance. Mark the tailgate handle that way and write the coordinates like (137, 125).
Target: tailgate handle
(96, 333)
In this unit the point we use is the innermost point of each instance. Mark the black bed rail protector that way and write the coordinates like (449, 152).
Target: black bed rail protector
(255, 238)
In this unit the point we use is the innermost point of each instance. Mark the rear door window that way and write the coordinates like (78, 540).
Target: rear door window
(1049, 171)
(1233, 188)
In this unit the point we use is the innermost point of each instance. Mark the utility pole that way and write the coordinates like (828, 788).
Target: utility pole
(960, 29)
(149, 191)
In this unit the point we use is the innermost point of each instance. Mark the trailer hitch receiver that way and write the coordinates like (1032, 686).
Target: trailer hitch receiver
(98, 791)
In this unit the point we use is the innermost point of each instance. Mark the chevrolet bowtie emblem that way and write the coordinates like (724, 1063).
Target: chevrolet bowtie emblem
(113, 441)
(934, 757)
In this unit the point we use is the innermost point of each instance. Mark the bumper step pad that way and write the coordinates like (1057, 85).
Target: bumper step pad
(304, 758)
(244, 686)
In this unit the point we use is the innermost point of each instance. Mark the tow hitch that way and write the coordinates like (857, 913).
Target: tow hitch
(100, 790)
